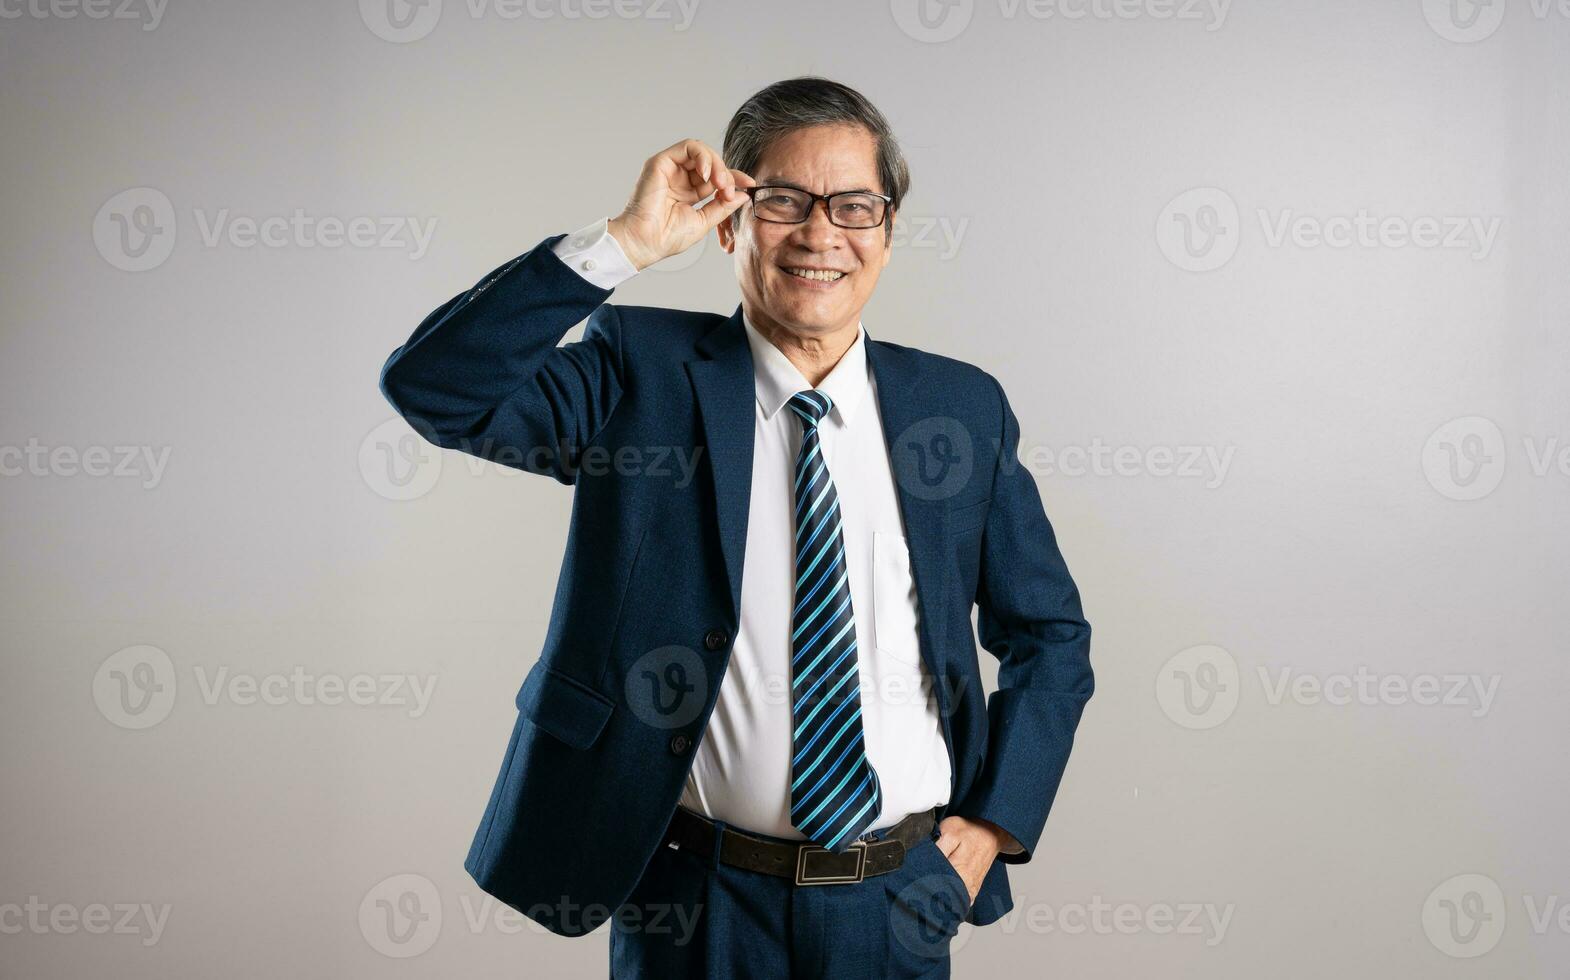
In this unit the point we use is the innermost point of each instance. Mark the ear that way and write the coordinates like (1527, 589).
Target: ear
(727, 234)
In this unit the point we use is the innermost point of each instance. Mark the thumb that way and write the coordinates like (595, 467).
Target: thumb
(726, 201)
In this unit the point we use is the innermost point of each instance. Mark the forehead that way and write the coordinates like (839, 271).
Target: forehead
(822, 159)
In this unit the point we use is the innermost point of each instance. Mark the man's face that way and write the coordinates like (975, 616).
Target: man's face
(823, 160)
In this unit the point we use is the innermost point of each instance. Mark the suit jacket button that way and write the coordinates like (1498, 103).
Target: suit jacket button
(680, 744)
(715, 640)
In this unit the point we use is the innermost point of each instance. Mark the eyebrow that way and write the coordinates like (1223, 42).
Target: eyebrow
(787, 182)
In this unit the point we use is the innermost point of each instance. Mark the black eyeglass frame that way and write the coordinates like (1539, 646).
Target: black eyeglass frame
(828, 208)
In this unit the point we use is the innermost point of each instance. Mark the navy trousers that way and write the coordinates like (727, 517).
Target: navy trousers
(691, 916)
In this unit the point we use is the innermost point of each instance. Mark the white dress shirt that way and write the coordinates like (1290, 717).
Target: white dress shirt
(741, 773)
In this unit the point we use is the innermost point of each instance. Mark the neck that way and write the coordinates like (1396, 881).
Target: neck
(815, 355)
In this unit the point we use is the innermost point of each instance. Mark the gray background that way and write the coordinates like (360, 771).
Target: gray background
(1385, 408)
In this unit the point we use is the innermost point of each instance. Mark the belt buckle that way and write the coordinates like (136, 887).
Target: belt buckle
(859, 848)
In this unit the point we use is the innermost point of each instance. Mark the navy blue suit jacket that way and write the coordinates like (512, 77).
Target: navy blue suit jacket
(653, 562)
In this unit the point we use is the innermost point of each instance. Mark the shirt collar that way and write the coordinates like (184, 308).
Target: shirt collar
(777, 379)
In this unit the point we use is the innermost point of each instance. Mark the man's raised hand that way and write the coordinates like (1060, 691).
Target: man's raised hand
(661, 219)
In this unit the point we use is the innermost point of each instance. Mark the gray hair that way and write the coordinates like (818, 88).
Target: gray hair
(797, 103)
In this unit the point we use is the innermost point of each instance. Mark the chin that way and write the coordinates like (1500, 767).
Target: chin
(808, 319)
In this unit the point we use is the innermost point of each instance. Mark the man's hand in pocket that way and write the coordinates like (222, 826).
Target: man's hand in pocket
(971, 846)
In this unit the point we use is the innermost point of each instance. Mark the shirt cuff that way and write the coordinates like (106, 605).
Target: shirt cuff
(596, 255)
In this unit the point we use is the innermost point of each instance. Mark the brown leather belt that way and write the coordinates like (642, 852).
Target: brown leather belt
(804, 862)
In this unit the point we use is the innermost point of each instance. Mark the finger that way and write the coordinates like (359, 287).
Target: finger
(724, 204)
(669, 171)
(684, 157)
(681, 151)
(700, 188)
(703, 174)
(726, 177)
(695, 158)
(707, 163)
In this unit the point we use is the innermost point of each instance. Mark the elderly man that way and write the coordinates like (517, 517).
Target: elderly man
(756, 738)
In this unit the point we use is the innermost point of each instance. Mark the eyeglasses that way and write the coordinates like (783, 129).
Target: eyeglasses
(792, 206)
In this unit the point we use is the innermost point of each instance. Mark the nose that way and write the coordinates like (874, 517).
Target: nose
(818, 233)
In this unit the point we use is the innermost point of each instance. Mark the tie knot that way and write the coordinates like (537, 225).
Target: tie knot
(811, 405)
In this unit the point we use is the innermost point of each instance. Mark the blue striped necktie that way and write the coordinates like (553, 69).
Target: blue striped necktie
(834, 793)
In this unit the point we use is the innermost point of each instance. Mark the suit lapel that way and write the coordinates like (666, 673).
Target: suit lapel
(723, 382)
(899, 381)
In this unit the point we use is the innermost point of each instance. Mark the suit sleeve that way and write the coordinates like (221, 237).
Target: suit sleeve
(483, 373)
(1029, 617)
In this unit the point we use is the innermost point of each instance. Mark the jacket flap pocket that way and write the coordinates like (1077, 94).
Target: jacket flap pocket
(563, 707)
(969, 516)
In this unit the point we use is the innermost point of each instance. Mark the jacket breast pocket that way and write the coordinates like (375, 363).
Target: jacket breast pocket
(894, 598)
(563, 707)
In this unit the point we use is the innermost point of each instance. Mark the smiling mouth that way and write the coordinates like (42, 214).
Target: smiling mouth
(814, 275)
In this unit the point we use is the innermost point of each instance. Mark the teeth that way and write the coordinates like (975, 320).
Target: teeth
(820, 275)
